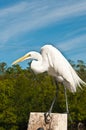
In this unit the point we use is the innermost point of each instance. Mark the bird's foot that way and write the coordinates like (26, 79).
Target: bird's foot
(47, 117)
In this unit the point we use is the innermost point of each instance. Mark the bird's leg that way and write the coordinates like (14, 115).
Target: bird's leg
(67, 108)
(53, 102)
(47, 115)
(65, 92)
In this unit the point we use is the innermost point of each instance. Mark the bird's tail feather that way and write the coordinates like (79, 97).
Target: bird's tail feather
(81, 83)
(78, 82)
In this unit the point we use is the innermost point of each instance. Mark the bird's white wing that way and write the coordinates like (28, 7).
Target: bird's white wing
(61, 67)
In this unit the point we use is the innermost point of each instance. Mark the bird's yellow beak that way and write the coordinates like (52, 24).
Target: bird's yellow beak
(20, 59)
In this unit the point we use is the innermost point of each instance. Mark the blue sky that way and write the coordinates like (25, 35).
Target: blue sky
(27, 25)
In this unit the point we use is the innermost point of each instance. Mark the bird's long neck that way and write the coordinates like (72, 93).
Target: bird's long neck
(38, 57)
(38, 65)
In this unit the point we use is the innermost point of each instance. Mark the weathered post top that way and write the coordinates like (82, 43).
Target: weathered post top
(57, 121)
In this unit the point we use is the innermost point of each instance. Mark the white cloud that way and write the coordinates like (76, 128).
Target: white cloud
(27, 16)
(74, 43)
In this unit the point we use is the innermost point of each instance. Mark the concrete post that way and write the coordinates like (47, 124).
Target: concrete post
(57, 121)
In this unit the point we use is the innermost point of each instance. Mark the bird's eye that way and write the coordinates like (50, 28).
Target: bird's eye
(29, 55)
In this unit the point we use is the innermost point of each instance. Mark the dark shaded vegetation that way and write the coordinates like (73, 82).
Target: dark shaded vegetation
(22, 92)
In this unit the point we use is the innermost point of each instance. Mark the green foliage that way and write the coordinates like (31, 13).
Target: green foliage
(21, 92)
(7, 111)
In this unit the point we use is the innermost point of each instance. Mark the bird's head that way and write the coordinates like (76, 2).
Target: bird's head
(30, 55)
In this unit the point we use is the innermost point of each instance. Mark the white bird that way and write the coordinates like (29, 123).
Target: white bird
(51, 60)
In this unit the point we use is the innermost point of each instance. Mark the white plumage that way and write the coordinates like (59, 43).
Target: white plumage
(51, 60)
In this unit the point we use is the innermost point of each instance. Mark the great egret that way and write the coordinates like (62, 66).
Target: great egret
(51, 60)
